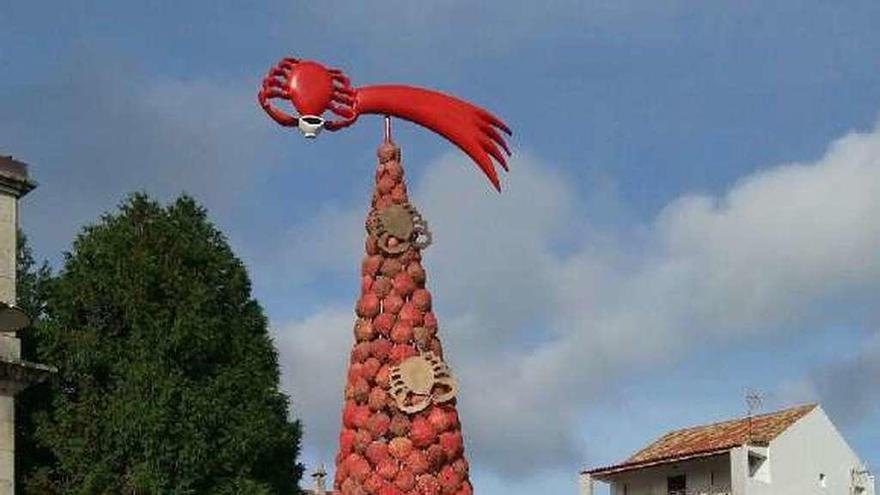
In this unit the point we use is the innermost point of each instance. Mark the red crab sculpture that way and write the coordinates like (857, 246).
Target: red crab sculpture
(314, 90)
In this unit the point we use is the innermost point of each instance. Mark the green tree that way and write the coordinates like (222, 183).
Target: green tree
(168, 379)
(32, 286)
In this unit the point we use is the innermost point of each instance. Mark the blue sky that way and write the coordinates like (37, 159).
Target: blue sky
(692, 211)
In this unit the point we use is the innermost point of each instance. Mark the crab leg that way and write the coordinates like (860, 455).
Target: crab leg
(340, 97)
(277, 114)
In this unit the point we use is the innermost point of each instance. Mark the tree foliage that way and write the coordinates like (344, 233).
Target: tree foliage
(168, 379)
(32, 287)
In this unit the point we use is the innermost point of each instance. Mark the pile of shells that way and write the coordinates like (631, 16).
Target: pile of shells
(383, 451)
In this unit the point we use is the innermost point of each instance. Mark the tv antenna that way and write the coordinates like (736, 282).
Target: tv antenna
(754, 402)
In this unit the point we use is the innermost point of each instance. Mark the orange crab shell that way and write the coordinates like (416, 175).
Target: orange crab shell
(411, 314)
(384, 322)
(415, 270)
(361, 352)
(449, 479)
(428, 485)
(377, 452)
(405, 480)
(421, 298)
(393, 303)
(439, 419)
(400, 447)
(435, 456)
(346, 441)
(383, 377)
(390, 267)
(404, 284)
(422, 433)
(362, 440)
(371, 265)
(374, 483)
(400, 352)
(378, 399)
(452, 444)
(368, 306)
(417, 462)
(465, 489)
(380, 349)
(390, 490)
(378, 424)
(310, 87)
(355, 416)
(400, 425)
(402, 332)
(388, 468)
(363, 330)
(358, 467)
(382, 286)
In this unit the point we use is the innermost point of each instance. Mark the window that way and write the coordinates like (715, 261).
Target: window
(676, 485)
(759, 466)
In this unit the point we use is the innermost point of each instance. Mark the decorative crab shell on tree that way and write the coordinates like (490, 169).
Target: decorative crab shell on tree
(420, 381)
(398, 226)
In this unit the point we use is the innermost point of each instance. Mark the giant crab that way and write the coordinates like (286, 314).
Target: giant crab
(314, 89)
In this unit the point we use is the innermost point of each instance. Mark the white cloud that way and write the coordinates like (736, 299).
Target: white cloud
(535, 332)
(781, 237)
(314, 355)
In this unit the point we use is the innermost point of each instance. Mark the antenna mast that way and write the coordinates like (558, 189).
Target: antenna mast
(754, 401)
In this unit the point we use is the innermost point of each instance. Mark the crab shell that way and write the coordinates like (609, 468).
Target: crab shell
(422, 380)
(397, 225)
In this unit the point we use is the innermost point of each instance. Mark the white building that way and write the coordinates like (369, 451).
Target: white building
(797, 451)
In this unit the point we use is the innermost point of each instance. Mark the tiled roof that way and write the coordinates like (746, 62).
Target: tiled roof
(702, 441)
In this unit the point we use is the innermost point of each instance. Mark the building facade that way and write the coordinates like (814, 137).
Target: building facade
(15, 373)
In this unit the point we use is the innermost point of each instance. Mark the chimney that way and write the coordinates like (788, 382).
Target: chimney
(320, 476)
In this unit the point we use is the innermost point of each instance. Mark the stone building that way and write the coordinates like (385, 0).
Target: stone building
(15, 374)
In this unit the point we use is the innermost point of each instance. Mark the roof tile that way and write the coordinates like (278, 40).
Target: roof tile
(715, 437)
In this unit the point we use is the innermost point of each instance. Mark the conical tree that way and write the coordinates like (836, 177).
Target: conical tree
(168, 379)
(400, 432)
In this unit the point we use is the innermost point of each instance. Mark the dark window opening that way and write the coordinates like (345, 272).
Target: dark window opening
(676, 484)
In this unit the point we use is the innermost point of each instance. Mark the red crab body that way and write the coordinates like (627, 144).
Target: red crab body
(314, 90)
(310, 88)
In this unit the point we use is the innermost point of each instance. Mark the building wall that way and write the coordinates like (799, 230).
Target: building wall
(8, 225)
(809, 448)
(652, 481)
(10, 345)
